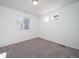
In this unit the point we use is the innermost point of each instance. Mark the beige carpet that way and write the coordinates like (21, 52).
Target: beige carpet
(39, 48)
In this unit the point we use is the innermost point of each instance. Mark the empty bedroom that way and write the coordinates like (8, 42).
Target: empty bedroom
(39, 28)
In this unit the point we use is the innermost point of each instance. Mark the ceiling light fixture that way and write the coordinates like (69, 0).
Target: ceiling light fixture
(35, 2)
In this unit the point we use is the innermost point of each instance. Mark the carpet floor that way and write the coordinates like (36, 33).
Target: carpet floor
(39, 48)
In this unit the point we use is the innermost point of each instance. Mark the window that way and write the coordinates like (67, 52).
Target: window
(23, 22)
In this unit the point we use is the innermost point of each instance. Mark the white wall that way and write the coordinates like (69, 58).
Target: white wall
(65, 30)
(9, 32)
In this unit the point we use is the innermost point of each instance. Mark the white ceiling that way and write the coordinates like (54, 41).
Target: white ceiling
(43, 7)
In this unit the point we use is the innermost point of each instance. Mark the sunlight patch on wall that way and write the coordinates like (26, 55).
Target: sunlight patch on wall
(46, 19)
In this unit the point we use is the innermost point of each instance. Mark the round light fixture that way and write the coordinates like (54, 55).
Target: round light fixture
(35, 2)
